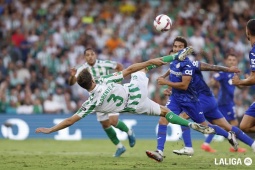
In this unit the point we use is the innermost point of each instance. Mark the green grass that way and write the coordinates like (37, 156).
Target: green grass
(97, 154)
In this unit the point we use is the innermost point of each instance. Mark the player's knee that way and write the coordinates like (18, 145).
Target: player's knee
(114, 122)
(105, 124)
(234, 122)
(163, 121)
(164, 110)
(244, 128)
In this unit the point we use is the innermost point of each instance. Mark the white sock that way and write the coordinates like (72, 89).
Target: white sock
(119, 145)
(189, 148)
(160, 152)
(253, 145)
(206, 144)
(229, 135)
(129, 132)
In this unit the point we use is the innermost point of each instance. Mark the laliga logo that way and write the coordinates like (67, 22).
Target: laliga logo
(233, 161)
(247, 161)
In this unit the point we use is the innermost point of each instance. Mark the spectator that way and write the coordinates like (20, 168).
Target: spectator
(17, 37)
(113, 43)
(26, 107)
(50, 106)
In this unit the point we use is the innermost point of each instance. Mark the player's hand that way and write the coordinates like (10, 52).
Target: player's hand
(167, 92)
(235, 80)
(43, 130)
(234, 69)
(157, 61)
(162, 81)
(73, 71)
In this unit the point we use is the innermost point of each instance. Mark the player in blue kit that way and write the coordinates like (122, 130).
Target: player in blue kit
(186, 100)
(226, 103)
(226, 92)
(248, 121)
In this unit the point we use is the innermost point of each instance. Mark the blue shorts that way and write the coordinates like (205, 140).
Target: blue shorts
(193, 109)
(210, 107)
(251, 110)
(228, 112)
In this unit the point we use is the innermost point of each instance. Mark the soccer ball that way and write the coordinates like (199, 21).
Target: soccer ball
(162, 23)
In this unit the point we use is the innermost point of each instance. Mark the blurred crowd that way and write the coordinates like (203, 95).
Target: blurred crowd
(42, 40)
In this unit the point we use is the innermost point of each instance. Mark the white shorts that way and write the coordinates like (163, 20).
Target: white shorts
(105, 116)
(146, 105)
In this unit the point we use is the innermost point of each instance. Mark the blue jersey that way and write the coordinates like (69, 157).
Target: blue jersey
(252, 58)
(198, 81)
(177, 70)
(226, 92)
(251, 110)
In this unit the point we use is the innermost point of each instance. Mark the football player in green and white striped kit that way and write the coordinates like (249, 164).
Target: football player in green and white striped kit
(108, 96)
(99, 68)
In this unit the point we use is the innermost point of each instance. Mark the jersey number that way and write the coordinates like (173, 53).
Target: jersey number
(115, 98)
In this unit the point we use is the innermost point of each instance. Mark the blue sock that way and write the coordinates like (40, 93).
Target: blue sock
(219, 130)
(162, 129)
(186, 136)
(242, 136)
(209, 138)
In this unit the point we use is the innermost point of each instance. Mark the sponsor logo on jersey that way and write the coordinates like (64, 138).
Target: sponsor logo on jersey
(175, 73)
(178, 65)
(83, 108)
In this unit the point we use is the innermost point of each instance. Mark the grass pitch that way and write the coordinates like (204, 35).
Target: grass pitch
(97, 154)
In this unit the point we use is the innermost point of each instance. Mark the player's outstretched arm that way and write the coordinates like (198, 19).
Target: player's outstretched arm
(72, 78)
(65, 123)
(139, 66)
(249, 81)
(181, 55)
(119, 67)
(210, 67)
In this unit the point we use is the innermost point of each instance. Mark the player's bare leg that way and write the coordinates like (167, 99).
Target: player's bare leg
(234, 122)
(248, 124)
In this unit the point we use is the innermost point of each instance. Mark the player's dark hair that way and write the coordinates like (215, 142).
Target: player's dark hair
(88, 50)
(181, 39)
(251, 26)
(230, 54)
(84, 79)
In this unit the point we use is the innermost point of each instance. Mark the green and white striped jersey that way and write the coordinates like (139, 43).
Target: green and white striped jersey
(99, 69)
(110, 97)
